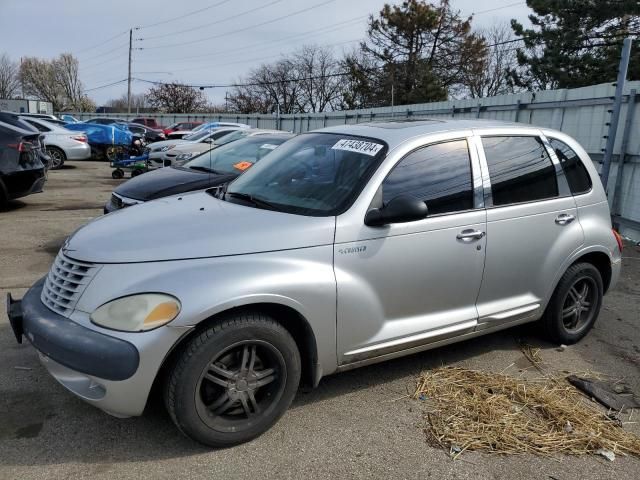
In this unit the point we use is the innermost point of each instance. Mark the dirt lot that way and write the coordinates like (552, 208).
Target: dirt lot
(355, 425)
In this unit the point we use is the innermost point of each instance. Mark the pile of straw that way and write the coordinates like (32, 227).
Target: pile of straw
(472, 410)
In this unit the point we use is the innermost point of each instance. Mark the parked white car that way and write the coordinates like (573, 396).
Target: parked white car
(160, 152)
(61, 144)
(184, 133)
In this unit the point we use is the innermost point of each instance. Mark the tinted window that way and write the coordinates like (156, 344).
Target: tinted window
(520, 170)
(576, 173)
(440, 175)
(40, 127)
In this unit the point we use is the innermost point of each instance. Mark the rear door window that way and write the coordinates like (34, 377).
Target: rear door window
(575, 171)
(520, 169)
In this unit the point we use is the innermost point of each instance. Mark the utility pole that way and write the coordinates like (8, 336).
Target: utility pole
(129, 76)
(615, 111)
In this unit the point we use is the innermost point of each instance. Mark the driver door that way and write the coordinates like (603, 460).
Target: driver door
(404, 285)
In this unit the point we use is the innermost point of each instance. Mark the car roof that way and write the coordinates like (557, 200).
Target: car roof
(396, 132)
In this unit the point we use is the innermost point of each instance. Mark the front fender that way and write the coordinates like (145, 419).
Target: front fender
(301, 279)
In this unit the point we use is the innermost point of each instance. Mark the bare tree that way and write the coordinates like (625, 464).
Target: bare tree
(56, 81)
(490, 77)
(176, 98)
(138, 101)
(9, 80)
(65, 68)
(320, 85)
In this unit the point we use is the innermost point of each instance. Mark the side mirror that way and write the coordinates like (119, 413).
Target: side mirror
(401, 209)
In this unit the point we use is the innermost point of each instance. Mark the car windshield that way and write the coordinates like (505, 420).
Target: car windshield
(196, 136)
(236, 157)
(316, 174)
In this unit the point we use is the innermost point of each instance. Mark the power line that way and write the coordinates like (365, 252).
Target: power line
(317, 5)
(233, 52)
(105, 86)
(173, 19)
(103, 42)
(497, 8)
(211, 23)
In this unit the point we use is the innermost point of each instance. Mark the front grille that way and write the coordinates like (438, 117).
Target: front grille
(65, 283)
(116, 202)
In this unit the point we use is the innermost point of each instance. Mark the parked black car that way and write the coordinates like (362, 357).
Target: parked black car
(210, 169)
(13, 120)
(21, 169)
(149, 135)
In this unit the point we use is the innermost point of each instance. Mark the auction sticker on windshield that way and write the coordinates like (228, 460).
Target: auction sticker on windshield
(358, 146)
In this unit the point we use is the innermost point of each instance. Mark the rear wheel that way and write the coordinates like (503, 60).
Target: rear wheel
(575, 304)
(58, 157)
(117, 174)
(234, 380)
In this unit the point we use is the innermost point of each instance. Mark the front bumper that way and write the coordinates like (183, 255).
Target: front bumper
(68, 343)
(107, 371)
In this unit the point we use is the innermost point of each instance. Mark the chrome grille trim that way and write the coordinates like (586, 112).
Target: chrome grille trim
(65, 283)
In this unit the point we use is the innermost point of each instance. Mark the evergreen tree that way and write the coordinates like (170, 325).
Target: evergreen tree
(575, 43)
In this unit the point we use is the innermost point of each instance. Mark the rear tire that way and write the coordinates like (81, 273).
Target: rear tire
(117, 174)
(575, 304)
(4, 197)
(58, 157)
(234, 380)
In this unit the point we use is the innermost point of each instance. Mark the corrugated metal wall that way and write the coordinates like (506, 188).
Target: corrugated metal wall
(583, 113)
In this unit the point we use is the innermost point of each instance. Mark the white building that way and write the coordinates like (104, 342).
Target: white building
(26, 106)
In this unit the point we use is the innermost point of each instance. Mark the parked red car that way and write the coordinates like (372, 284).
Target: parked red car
(181, 126)
(148, 122)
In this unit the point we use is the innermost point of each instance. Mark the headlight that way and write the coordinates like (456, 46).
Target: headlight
(168, 147)
(184, 156)
(137, 313)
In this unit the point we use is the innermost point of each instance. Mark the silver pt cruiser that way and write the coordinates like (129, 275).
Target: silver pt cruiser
(343, 247)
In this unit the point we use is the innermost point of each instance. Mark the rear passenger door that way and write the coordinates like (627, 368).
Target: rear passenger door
(532, 227)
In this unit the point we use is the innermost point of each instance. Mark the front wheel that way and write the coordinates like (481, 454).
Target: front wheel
(575, 304)
(234, 380)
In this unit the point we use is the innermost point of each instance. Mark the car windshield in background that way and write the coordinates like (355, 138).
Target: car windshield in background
(231, 137)
(194, 137)
(315, 174)
(236, 157)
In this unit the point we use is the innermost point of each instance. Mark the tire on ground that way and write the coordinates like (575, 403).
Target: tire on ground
(552, 320)
(183, 377)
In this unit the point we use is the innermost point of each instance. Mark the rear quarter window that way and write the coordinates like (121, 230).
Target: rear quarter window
(574, 170)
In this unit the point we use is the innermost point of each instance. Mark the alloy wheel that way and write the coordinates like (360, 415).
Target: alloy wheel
(56, 157)
(579, 304)
(240, 384)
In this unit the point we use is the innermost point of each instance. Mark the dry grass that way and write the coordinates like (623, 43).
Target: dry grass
(472, 410)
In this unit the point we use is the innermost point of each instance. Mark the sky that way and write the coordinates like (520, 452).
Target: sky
(199, 42)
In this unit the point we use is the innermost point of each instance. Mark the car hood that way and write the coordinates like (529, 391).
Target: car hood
(169, 181)
(197, 147)
(164, 143)
(195, 225)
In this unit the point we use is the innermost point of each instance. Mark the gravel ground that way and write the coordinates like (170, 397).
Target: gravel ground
(359, 424)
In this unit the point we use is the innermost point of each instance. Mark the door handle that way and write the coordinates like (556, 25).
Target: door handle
(564, 219)
(470, 234)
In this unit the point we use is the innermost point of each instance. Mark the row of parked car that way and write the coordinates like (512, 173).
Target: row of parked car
(30, 144)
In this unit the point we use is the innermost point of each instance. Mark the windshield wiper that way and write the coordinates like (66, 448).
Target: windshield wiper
(204, 169)
(257, 202)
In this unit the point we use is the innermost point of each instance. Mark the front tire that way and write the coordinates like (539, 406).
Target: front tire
(575, 304)
(234, 380)
(58, 157)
